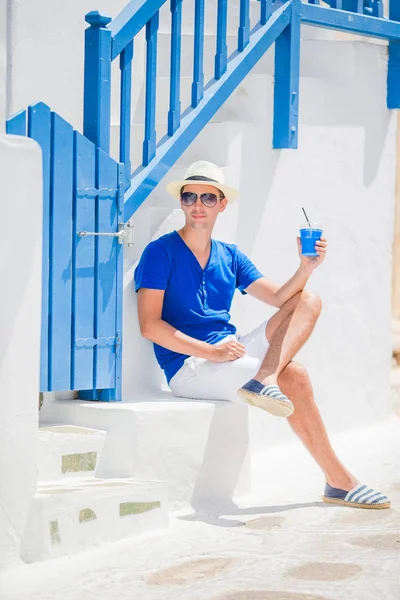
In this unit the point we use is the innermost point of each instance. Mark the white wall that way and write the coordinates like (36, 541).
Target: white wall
(20, 312)
(3, 63)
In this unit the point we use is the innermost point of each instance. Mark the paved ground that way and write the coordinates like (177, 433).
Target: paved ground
(281, 544)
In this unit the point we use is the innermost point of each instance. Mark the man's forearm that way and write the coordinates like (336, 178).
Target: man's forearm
(165, 335)
(294, 285)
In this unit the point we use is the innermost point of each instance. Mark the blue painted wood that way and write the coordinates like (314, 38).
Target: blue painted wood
(244, 25)
(393, 81)
(174, 114)
(16, 125)
(149, 143)
(336, 4)
(60, 250)
(39, 127)
(221, 56)
(374, 8)
(83, 261)
(125, 111)
(198, 53)
(97, 85)
(356, 6)
(130, 21)
(115, 393)
(265, 11)
(287, 80)
(360, 24)
(106, 256)
(193, 120)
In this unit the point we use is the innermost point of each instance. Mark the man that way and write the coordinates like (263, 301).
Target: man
(186, 281)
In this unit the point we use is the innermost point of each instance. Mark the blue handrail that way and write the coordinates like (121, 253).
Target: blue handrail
(106, 40)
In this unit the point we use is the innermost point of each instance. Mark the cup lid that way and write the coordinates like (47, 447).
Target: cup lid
(314, 225)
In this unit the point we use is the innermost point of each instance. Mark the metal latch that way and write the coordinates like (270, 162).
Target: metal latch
(124, 233)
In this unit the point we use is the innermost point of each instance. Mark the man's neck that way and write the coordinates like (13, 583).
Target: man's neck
(198, 240)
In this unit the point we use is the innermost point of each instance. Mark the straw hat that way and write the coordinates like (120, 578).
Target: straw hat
(203, 172)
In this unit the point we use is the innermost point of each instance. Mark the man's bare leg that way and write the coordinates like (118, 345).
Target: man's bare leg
(287, 331)
(307, 423)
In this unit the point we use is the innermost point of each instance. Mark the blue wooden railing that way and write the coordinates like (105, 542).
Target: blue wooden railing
(279, 21)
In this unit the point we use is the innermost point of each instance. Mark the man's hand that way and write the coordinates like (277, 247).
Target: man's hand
(309, 263)
(229, 351)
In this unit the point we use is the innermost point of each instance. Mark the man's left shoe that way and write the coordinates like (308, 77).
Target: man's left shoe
(361, 496)
(267, 397)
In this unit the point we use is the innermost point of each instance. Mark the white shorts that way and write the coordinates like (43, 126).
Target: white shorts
(203, 379)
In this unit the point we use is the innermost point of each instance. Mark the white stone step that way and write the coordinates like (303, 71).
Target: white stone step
(200, 449)
(65, 519)
(68, 451)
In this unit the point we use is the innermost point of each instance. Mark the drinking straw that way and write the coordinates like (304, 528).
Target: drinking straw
(306, 217)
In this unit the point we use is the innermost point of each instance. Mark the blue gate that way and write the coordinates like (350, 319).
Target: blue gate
(82, 270)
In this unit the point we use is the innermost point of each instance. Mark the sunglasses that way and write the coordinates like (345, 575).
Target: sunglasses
(208, 199)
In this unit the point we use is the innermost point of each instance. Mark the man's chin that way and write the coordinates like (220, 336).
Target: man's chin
(199, 224)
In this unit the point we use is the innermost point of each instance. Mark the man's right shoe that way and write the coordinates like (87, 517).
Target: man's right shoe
(267, 397)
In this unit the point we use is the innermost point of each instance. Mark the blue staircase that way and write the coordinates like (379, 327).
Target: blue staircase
(86, 193)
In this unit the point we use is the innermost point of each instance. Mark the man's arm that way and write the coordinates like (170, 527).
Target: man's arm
(152, 327)
(276, 295)
(272, 293)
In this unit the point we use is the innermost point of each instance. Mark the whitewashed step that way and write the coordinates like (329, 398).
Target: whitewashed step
(68, 451)
(65, 519)
(199, 449)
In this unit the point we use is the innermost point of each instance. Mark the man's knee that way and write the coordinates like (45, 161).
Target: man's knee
(313, 300)
(305, 296)
(294, 373)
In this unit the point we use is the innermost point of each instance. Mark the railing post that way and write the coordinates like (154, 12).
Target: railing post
(374, 8)
(174, 114)
(149, 142)
(287, 78)
(221, 55)
(244, 25)
(198, 71)
(97, 86)
(393, 84)
(356, 6)
(126, 57)
(266, 11)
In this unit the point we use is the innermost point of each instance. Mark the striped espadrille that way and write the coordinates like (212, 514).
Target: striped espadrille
(267, 397)
(360, 496)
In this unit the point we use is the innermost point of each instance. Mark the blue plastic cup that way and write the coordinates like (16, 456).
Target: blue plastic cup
(308, 237)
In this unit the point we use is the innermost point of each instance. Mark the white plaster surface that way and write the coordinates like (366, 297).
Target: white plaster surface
(20, 314)
(279, 544)
(199, 449)
(58, 441)
(62, 504)
(3, 63)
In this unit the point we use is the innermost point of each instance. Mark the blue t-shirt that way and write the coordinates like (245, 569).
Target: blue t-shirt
(196, 301)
